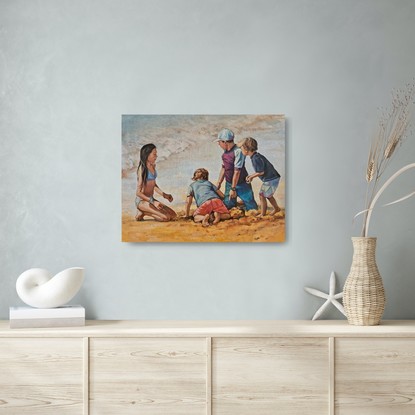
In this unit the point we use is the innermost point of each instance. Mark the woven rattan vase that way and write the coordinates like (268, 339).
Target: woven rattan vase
(363, 293)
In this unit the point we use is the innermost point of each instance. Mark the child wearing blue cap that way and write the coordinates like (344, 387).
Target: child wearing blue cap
(234, 173)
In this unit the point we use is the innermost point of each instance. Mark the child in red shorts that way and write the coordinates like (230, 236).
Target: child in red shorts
(208, 200)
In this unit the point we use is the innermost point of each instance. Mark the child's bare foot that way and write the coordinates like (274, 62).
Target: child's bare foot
(205, 221)
(274, 211)
(217, 218)
(139, 216)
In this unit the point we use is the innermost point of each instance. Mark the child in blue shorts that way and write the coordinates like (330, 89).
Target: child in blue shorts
(265, 171)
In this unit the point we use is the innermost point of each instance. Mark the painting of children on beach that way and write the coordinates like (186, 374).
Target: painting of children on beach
(203, 178)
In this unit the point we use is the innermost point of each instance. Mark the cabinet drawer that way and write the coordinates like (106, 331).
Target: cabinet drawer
(41, 376)
(264, 376)
(375, 376)
(148, 376)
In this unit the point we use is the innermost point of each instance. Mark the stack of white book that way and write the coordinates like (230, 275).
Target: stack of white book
(65, 316)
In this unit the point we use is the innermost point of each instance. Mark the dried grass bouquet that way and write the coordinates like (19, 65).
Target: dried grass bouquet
(394, 127)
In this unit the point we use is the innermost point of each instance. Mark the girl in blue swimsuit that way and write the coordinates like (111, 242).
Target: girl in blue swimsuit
(145, 202)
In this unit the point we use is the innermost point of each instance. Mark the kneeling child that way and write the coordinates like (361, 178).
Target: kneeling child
(208, 200)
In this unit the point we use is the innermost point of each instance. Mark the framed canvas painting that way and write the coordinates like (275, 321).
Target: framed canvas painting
(203, 178)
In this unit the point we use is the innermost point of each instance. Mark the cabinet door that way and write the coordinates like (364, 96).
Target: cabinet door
(41, 376)
(264, 376)
(375, 376)
(163, 376)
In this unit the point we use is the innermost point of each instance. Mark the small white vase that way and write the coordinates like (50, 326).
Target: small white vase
(38, 288)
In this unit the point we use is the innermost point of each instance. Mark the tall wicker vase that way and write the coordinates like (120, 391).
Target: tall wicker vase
(363, 293)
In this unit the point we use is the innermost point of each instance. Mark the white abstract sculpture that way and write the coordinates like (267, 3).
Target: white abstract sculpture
(38, 288)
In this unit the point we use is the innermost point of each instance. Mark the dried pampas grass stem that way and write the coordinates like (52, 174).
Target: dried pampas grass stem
(394, 127)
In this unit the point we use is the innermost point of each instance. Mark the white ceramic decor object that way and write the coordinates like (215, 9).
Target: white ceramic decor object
(38, 288)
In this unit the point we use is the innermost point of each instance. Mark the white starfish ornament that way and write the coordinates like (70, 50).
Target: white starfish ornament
(331, 297)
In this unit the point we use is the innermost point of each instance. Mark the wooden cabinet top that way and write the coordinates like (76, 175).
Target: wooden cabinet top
(218, 328)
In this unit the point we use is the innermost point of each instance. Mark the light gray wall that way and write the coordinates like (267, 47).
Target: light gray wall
(70, 68)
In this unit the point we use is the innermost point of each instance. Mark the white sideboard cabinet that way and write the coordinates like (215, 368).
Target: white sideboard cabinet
(209, 368)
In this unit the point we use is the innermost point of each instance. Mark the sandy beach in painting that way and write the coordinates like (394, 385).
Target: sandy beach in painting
(175, 166)
(245, 229)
